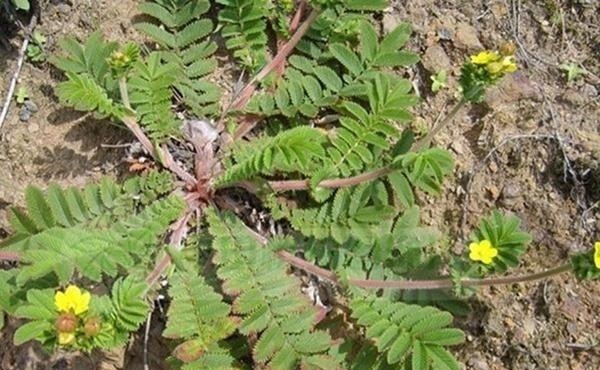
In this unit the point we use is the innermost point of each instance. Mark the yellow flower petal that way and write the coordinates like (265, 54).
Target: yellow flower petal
(493, 252)
(72, 300)
(495, 68)
(61, 302)
(474, 248)
(83, 303)
(65, 338)
(485, 57)
(509, 65)
(485, 244)
(482, 251)
(597, 254)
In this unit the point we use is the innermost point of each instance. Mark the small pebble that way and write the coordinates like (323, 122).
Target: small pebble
(24, 114)
(33, 127)
(31, 106)
(445, 34)
(63, 8)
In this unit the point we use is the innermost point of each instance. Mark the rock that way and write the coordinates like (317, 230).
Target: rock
(529, 327)
(33, 127)
(435, 59)
(589, 91)
(573, 97)
(27, 110)
(511, 191)
(513, 87)
(498, 9)
(24, 114)
(63, 8)
(31, 106)
(477, 362)
(466, 37)
(445, 33)
(493, 192)
(390, 21)
(457, 147)
(571, 307)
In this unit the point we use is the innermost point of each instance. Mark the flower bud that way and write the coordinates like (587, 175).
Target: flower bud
(508, 48)
(66, 323)
(92, 326)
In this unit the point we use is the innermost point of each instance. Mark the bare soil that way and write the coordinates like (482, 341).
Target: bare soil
(543, 133)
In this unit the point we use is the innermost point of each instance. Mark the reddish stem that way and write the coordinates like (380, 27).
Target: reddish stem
(281, 56)
(294, 24)
(248, 122)
(444, 283)
(298, 16)
(179, 228)
(164, 155)
(10, 256)
(330, 183)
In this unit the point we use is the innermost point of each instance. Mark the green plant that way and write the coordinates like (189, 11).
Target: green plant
(438, 81)
(35, 50)
(21, 95)
(21, 4)
(573, 71)
(323, 143)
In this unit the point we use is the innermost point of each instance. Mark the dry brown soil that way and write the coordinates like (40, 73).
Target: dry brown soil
(549, 175)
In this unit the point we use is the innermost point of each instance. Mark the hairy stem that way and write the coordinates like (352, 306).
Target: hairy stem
(9, 256)
(124, 93)
(330, 183)
(447, 283)
(444, 283)
(180, 229)
(160, 154)
(281, 56)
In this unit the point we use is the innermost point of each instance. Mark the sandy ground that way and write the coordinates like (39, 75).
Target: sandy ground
(552, 184)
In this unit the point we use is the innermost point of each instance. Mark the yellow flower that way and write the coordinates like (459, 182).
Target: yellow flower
(482, 251)
(72, 300)
(508, 64)
(597, 254)
(65, 338)
(503, 66)
(495, 68)
(485, 57)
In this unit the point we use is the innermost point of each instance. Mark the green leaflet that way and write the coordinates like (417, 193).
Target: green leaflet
(196, 314)
(267, 298)
(89, 58)
(293, 150)
(355, 212)
(150, 96)
(65, 230)
(94, 205)
(244, 30)
(82, 93)
(129, 307)
(426, 169)
(183, 31)
(408, 334)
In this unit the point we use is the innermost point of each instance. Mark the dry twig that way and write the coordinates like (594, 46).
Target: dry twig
(17, 72)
